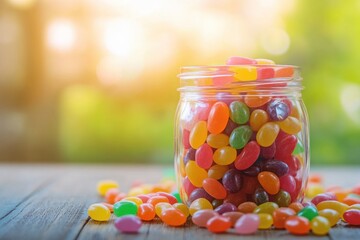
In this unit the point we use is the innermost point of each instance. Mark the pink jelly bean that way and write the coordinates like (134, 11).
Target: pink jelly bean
(128, 224)
(240, 61)
(204, 156)
(265, 73)
(185, 139)
(201, 217)
(285, 147)
(288, 183)
(248, 156)
(247, 224)
(352, 217)
(323, 197)
(170, 197)
(188, 186)
(202, 110)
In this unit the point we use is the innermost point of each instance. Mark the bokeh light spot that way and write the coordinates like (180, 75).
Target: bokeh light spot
(350, 100)
(61, 35)
(275, 41)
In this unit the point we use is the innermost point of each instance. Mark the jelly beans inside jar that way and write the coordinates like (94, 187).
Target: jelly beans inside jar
(241, 134)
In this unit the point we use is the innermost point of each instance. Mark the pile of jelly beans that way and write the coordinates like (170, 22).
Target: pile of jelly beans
(145, 203)
(241, 147)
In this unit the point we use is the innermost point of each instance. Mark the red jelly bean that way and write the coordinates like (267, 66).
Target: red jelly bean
(352, 217)
(285, 147)
(297, 225)
(248, 156)
(265, 73)
(218, 224)
(287, 183)
(323, 197)
(204, 156)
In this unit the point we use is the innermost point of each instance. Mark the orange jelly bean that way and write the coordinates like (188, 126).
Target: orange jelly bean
(269, 181)
(146, 212)
(157, 199)
(218, 117)
(247, 207)
(173, 217)
(218, 224)
(214, 188)
(297, 225)
(280, 215)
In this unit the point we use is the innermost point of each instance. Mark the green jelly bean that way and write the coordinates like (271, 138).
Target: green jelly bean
(282, 198)
(177, 196)
(308, 212)
(239, 112)
(240, 136)
(125, 207)
(268, 207)
(299, 148)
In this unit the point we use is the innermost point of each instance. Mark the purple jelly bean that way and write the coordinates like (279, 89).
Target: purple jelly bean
(260, 196)
(230, 127)
(278, 110)
(323, 197)
(268, 152)
(252, 171)
(128, 224)
(278, 167)
(308, 204)
(199, 193)
(226, 207)
(232, 180)
(190, 155)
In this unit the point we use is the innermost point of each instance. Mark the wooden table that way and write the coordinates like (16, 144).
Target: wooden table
(51, 201)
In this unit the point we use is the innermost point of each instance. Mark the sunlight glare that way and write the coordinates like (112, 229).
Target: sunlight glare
(61, 35)
(350, 100)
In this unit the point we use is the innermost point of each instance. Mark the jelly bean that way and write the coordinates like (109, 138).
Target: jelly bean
(225, 155)
(240, 136)
(119, 197)
(296, 206)
(355, 206)
(125, 208)
(284, 72)
(232, 181)
(190, 155)
(216, 202)
(261, 196)
(220, 81)
(252, 171)
(177, 196)
(201, 217)
(218, 224)
(332, 204)
(185, 138)
(331, 215)
(173, 217)
(226, 207)
(352, 217)
(350, 200)
(265, 73)
(265, 221)
(290, 125)
(267, 207)
(202, 110)
(278, 167)
(293, 164)
(104, 185)
(230, 127)
(195, 173)
(239, 112)
(128, 224)
(200, 193)
(247, 224)
(146, 212)
(135, 200)
(217, 171)
(269, 181)
(320, 225)
(204, 156)
(267, 134)
(199, 204)
(236, 198)
(258, 118)
(247, 207)
(99, 212)
(111, 194)
(144, 197)
(233, 216)
(308, 212)
(248, 156)
(217, 140)
(188, 186)
(285, 147)
(277, 110)
(299, 148)
(287, 183)
(172, 199)
(268, 152)
(323, 197)
(262, 61)
(240, 61)
(162, 206)
(182, 208)
(280, 215)
(109, 206)
(218, 118)
(157, 199)
(282, 198)
(244, 73)
(255, 100)
(297, 225)
(214, 188)
(251, 184)
(198, 134)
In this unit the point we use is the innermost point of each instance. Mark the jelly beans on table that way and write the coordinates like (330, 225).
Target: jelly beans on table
(243, 135)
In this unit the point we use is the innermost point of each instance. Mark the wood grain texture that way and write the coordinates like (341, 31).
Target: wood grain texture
(51, 201)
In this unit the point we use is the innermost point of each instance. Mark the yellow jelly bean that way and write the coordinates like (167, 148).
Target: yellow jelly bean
(99, 212)
(290, 125)
(225, 155)
(104, 185)
(217, 171)
(320, 225)
(195, 173)
(198, 134)
(331, 215)
(244, 73)
(267, 134)
(217, 140)
(135, 200)
(258, 118)
(182, 208)
(199, 204)
(332, 204)
(266, 221)
(314, 189)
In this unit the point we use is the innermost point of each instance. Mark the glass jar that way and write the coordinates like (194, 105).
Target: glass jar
(241, 134)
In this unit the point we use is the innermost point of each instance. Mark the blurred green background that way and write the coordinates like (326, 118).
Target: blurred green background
(95, 80)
